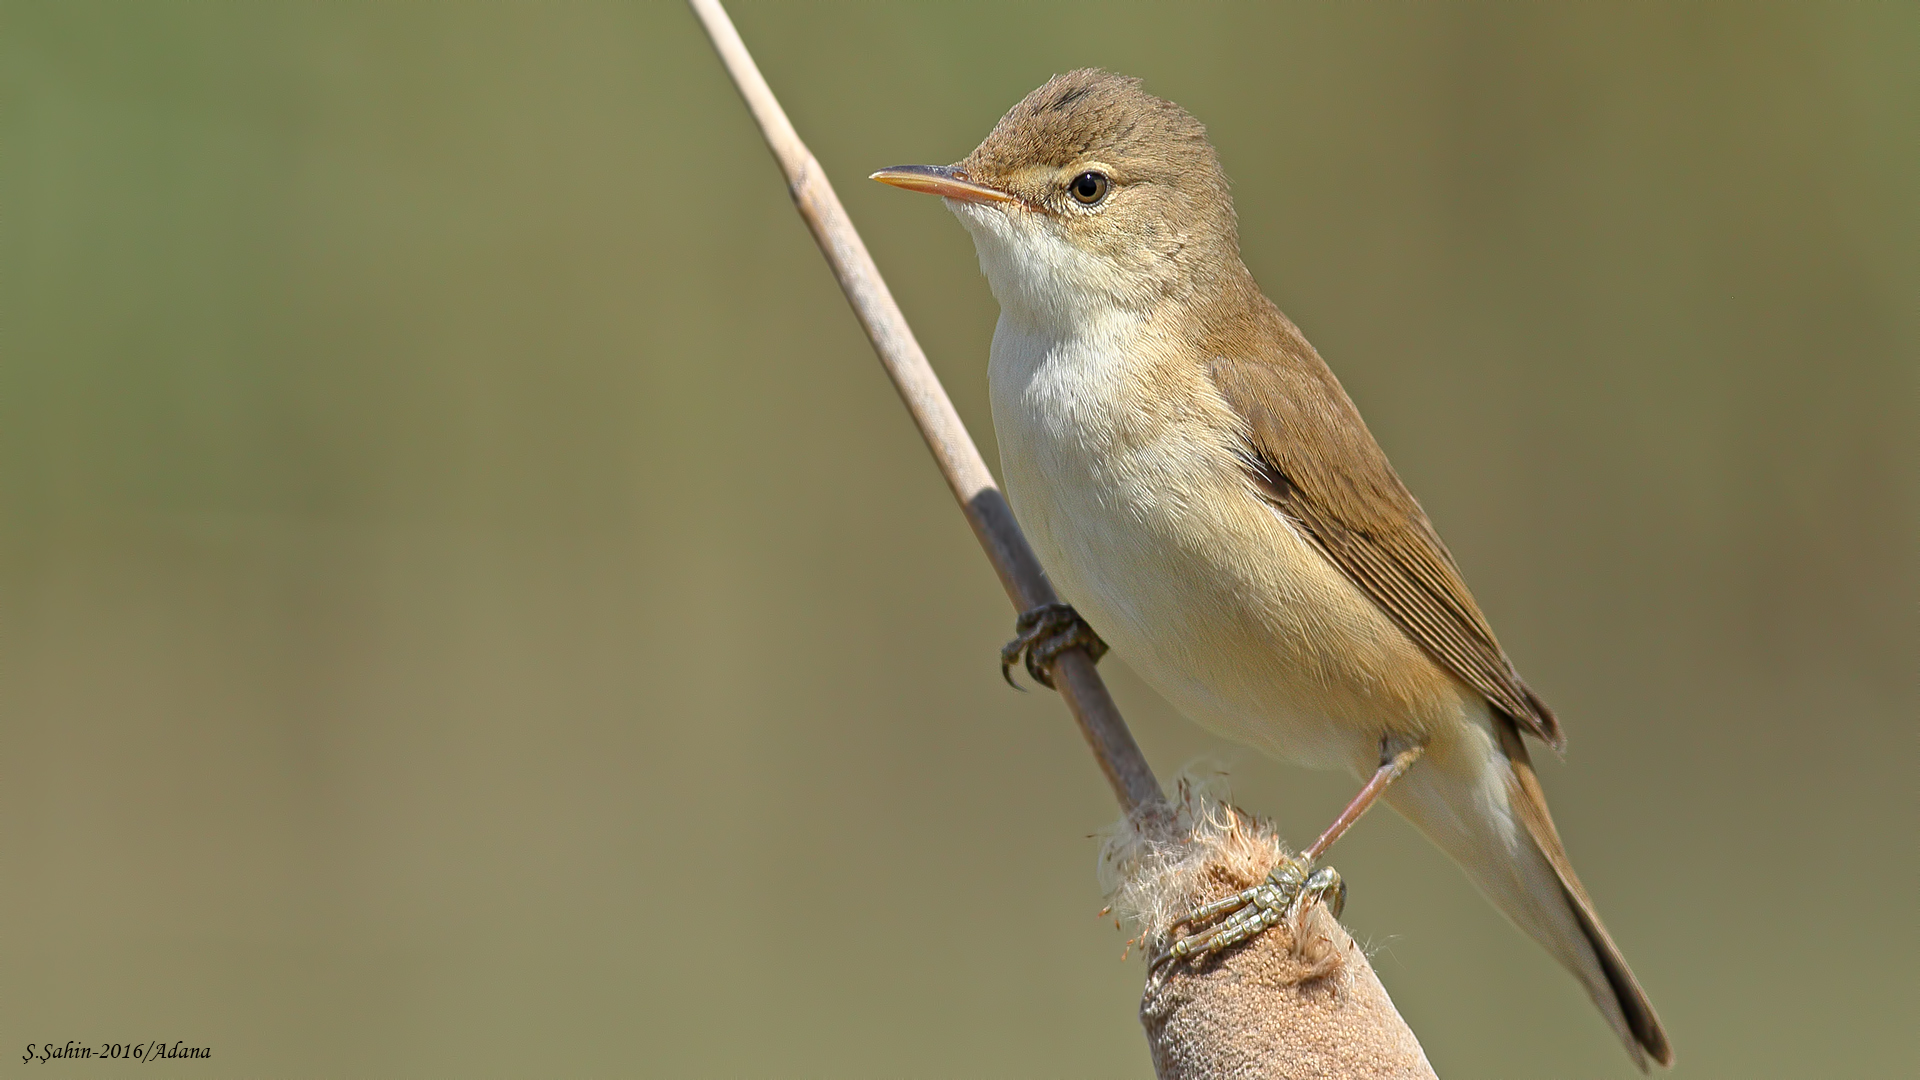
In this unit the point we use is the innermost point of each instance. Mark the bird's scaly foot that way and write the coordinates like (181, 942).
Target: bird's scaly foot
(1045, 632)
(1289, 888)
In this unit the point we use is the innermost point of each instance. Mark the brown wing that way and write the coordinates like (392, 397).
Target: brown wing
(1311, 455)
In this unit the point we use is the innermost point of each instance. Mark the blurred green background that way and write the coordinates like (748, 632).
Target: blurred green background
(471, 604)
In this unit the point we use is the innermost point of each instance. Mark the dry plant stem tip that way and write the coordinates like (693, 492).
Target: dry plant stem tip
(1072, 671)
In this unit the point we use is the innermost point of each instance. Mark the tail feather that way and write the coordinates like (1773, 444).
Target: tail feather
(1621, 999)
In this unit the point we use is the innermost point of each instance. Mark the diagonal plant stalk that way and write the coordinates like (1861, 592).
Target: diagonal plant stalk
(953, 449)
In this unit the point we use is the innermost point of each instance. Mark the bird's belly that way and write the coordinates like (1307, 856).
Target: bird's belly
(1209, 644)
(1202, 587)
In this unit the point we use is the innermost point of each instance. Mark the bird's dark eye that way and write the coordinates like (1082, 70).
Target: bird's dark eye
(1089, 188)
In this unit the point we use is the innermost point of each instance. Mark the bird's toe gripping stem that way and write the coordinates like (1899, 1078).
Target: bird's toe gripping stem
(1289, 887)
(1043, 633)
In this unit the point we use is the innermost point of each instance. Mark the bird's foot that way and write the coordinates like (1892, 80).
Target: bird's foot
(1289, 888)
(1044, 633)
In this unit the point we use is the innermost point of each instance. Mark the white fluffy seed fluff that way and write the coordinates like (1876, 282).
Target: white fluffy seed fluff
(1154, 874)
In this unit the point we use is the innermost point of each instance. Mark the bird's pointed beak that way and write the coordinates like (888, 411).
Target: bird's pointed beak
(944, 181)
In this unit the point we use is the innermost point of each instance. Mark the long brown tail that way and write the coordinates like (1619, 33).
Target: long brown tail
(1634, 1020)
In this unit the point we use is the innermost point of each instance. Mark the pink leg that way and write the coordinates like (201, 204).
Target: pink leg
(1389, 771)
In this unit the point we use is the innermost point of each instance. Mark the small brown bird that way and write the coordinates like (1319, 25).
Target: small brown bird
(1201, 491)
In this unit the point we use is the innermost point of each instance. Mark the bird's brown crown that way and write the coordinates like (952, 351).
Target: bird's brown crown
(1091, 114)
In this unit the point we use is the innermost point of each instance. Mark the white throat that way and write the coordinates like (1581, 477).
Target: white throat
(1042, 281)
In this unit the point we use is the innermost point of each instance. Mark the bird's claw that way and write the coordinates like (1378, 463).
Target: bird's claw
(1289, 888)
(1042, 634)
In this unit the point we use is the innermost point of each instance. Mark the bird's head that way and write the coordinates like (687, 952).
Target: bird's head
(1090, 194)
